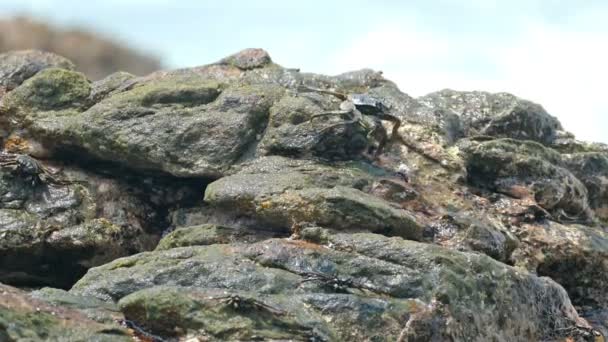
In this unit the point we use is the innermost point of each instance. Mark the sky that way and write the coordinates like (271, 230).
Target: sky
(552, 52)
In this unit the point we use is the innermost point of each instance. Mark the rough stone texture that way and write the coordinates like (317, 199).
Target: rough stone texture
(278, 194)
(508, 166)
(93, 308)
(573, 255)
(420, 291)
(498, 115)
(291, 131)
(248, 59)
(210, 234)
(51, 233)
(24, 318)
(592, 169)
(18, 66)
(109, 85)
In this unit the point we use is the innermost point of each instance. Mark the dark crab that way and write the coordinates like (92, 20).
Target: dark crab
(238, 302)
(28, 168)
(354, 107)
(335, 283)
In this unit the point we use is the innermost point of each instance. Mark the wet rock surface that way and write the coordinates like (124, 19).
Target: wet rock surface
(215, 203)
(53, 230)
(292, 284)
(25, 318)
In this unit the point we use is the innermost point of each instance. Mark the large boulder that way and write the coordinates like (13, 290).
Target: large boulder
(480, 113)
(356, 287)
(43, 103)
(278, 193)
(184, 126)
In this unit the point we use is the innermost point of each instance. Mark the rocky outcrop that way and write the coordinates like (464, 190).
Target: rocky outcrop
(497, 115)
(215, 203)
(372, 286)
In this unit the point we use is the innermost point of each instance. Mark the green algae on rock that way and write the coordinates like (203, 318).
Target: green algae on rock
(210, 234)
(284, 193)
(93, 308)
(18, 66)
(389, 281)
(25, 318)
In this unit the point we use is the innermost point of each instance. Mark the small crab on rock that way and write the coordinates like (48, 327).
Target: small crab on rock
(28, 168)
(335, 283)
(354, 107)
(238, 302)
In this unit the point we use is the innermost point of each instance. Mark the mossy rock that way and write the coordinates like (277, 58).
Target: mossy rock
(51, 89)
(93, 308)
(209, 234)
(23, 318)
(184, 127)
(289, 193)
(18, 66)
(283, 285)
(503, 164)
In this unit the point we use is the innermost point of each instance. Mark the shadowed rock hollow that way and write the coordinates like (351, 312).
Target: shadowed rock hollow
(214, 203)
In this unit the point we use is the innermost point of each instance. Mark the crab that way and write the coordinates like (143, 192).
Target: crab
(28, 168)
(338, 284)
(358, 107)
(238, 302)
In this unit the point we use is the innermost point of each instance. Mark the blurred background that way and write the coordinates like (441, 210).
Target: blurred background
(550, 51)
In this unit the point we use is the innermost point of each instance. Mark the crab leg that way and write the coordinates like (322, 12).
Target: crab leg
(333, 112)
